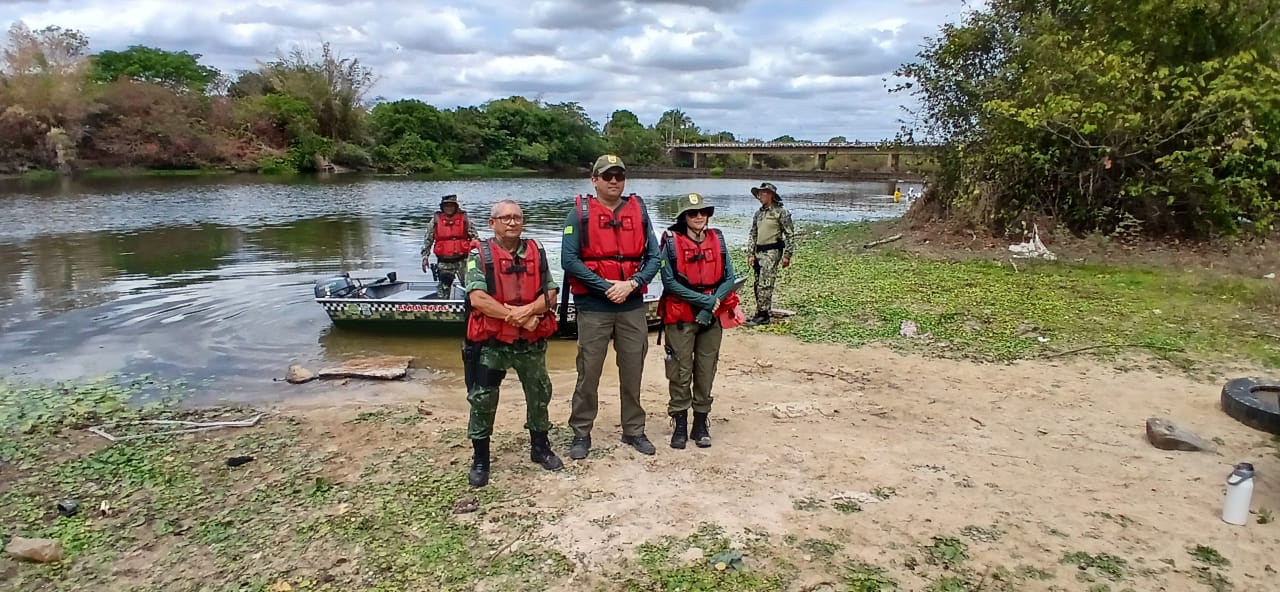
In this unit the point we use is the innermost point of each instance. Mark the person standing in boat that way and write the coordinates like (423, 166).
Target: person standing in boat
(609, 254)
(698, 302)
(510, 293)
(449, 236)
(772, 243)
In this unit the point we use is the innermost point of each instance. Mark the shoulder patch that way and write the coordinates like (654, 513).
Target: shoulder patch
(568, 230)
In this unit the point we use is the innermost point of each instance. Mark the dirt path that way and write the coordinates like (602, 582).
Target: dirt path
(830, 454)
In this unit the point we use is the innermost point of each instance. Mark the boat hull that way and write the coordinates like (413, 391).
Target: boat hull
(384, 304)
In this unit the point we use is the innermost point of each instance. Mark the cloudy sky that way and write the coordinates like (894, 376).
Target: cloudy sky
(758, 68)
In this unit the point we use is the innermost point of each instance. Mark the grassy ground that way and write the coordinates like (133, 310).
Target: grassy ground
(174, 509)
(167, 513)
(999, 311)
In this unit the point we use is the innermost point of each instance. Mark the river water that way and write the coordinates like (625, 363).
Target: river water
(209, 279)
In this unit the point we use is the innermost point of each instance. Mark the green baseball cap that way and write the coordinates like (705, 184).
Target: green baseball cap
(606, 162)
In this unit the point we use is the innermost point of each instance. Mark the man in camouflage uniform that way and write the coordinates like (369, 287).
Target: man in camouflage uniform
(446, 269)
(485, 364)
(771, 243)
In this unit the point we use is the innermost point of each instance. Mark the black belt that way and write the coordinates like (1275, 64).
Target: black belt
(778, 246)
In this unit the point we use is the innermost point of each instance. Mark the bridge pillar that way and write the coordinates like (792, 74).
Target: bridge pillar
(695, 160)
(751, 160)
(822, 162)
(893, 161)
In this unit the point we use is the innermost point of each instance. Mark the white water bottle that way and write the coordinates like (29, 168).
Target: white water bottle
(1235, 509)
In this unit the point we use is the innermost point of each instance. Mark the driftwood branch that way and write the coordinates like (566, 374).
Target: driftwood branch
(876, 243)
(1080, 349)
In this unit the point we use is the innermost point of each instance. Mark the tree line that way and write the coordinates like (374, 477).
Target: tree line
(1148, 117)
(64, 108)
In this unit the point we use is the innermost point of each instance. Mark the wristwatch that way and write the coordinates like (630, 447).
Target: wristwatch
(636, 282)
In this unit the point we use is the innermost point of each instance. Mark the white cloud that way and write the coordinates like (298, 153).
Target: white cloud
(754, 68)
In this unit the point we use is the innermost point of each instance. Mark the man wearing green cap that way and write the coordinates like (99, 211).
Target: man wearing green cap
(449, 236)
(771, 243)
(609, 254)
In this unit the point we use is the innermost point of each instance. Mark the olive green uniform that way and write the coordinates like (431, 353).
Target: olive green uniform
(693, 349)
(600, 321)
(772, 239)
(493, 359)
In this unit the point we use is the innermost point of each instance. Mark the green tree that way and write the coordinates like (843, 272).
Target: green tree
(1161, 117)
(675, 125)
(410, 135)
(177, 70)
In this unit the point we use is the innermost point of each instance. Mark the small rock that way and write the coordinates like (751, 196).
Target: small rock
(38, 550)
(1166, 435)
(236, 461)
(381, 367)
(298, 375)
(466, 505)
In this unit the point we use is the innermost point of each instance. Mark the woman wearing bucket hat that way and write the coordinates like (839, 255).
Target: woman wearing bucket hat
(772, 243)
(698, 303)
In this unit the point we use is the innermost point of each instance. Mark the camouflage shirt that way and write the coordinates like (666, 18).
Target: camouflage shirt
(770, 225)
(475, 279)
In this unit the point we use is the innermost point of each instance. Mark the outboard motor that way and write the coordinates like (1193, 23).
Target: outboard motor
(338, 287)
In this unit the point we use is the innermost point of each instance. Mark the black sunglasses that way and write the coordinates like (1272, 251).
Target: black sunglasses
(607, 176)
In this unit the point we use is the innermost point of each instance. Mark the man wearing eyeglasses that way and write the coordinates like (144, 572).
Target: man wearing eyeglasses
(609, 254)
(510, 292)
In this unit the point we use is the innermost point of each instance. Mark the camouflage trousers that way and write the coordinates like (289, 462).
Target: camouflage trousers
(767, 264)
(449, 271)
(485, 367)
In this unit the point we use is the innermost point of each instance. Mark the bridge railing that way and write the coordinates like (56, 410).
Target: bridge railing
(802, 145)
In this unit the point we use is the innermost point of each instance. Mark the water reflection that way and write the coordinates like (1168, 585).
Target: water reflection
(211, 277)
(332, 240)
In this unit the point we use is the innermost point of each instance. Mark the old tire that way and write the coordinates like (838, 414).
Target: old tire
(1253, 402)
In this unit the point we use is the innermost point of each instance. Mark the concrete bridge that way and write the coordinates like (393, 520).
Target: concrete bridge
(819, 150)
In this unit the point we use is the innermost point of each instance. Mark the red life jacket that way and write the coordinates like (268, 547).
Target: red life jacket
(697, 266)
(514, 282)
(451, 236)
(611, 244)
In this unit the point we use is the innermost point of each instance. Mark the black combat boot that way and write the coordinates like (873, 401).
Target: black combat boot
(681, 433)
(479, 476)
(700, 434)
(540, 452)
